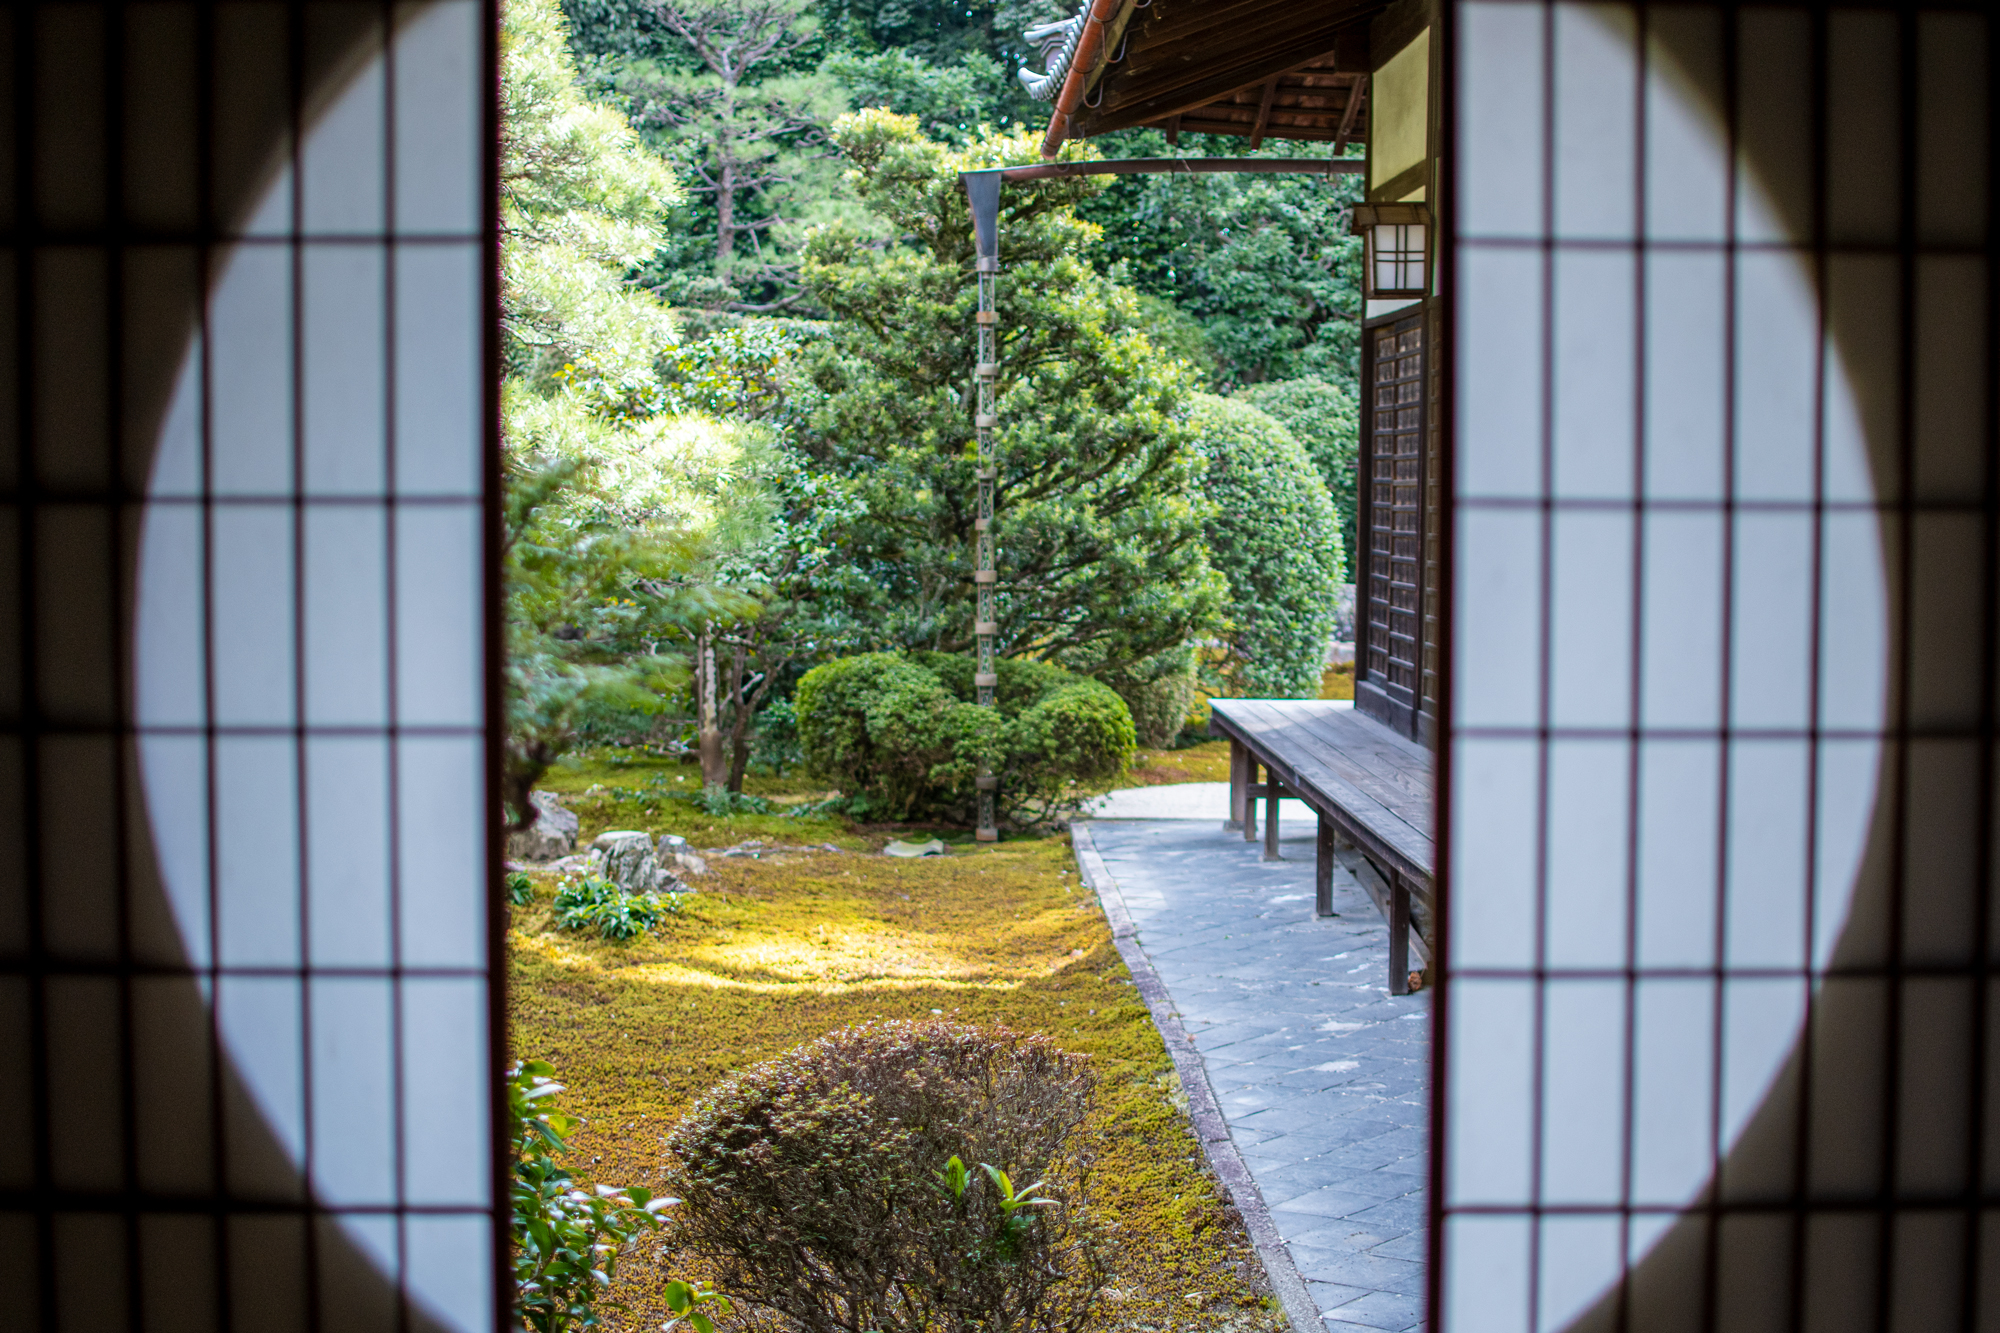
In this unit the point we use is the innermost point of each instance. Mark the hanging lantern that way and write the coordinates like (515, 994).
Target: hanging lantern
(1397, 239)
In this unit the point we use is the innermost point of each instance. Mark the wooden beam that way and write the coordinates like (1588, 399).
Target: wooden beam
(1206, 52)
(1188, 166)
(1414, 177)
(1173, 131)
(1264, 112)
(1355, 92)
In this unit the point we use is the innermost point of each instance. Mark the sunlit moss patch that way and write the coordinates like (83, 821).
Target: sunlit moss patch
(779, 949)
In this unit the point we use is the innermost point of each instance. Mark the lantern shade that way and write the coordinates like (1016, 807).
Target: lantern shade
(1398, 244)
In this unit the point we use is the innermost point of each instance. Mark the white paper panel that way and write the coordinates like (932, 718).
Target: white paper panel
(313, 563)
(1656, 610)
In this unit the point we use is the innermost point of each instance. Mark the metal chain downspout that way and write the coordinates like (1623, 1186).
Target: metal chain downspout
(982, 189)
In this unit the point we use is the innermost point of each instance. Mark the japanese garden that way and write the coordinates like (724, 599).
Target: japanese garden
(795, 1049)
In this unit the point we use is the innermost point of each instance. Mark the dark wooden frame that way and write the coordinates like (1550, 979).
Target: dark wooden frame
(1394, 705)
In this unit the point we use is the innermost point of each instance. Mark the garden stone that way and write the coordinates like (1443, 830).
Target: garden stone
(935, 847)
(552, 835)
(625, 857)
(673, 851)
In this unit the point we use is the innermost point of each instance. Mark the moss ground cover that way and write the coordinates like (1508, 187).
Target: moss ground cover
(1207, 762)
(781, 948)
(1337, 682)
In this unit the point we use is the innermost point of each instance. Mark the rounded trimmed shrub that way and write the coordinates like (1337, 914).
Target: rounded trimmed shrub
(1274, 535)
(903, 732)
(1324, 417)
(844, 1185)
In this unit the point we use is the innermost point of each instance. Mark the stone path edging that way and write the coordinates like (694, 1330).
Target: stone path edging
(1210, 1128)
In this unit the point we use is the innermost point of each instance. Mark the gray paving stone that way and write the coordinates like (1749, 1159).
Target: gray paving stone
(1410, 1245)
(1394, 1216)
(1376, 1273)
(1322, 1201)
(1271, 995)
(1342, 1236)
(1381, 1309)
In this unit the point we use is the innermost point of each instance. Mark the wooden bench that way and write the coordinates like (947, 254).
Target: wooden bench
(1372, 790)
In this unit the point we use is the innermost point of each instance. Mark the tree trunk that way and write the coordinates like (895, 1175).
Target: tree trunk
(714, 773)
(746, 714)
(725, 184)
(725, 213)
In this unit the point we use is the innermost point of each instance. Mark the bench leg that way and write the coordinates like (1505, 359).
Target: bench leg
(1323, 868)
(1239, 782)
(1399, 934)
(1271, 816)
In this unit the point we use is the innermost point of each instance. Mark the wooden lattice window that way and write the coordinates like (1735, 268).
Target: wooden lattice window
(1395, 508)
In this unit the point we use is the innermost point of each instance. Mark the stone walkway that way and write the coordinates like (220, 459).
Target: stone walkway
(1318, 1072)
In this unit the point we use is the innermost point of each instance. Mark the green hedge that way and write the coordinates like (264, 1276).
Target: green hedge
(902, 733)
(1274, 535)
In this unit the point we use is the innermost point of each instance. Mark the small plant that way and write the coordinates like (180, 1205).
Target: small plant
(813, 1179)
(567, 1239)
(1016, 1222)
(520, 889)
(591, 902)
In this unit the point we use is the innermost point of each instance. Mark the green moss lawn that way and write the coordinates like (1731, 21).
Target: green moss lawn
(779, 948)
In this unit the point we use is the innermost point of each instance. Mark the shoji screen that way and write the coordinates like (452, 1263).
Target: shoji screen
(1715, 1039)
(246, 666)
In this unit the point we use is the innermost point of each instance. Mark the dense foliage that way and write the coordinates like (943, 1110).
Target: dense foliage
(617, 506)
(1263, 266)
(567, 1239)
(1273, 535)
(1097, 512)
(868, 1180)
(902, 733)
(790, 480)
(1325, 418)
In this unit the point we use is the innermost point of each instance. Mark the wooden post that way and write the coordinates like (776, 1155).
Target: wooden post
(982, 192)
(1239, 781)
(1250, 798)
(1271, 793)
(1323, 868)
(1399, 934)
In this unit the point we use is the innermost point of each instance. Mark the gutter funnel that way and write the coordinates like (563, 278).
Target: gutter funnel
(982, 191)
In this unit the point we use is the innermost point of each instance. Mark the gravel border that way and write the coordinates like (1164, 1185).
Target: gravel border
(1210, 1128)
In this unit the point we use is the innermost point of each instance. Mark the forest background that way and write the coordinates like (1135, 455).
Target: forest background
(739, 350)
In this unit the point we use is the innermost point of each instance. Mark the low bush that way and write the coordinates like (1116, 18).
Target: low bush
(589, 902)
(903, 733)
(830, 1186)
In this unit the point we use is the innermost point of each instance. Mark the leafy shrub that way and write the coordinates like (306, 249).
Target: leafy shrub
(590, 902)
(833, 1181)
(903, 732)
(774, 746)
(520, 889)
(1159, 691)
(1324, 417)
(1275, 537)
(566, 1239)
